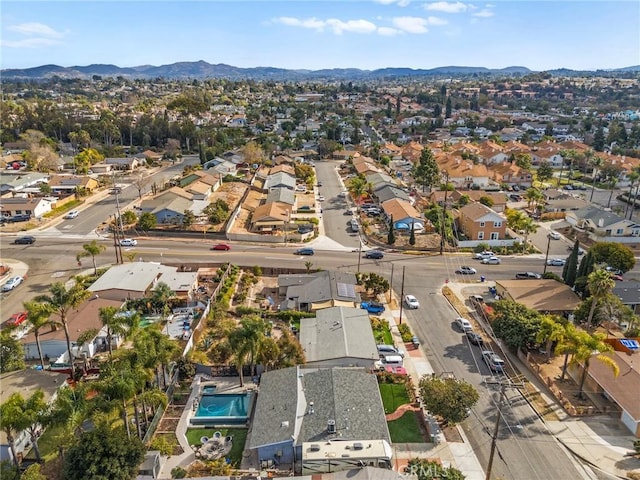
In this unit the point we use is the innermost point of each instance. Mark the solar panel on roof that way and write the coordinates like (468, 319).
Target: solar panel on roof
(346, 290)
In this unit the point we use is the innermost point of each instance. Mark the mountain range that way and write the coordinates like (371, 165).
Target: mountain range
(204, 70)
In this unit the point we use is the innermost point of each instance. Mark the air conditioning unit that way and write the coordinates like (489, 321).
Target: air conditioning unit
(331, 426)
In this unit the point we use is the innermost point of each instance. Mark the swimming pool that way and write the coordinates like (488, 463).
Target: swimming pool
(222, 408)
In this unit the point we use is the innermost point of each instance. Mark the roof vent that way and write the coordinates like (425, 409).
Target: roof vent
(358, 446)
(284, 424)
(314, 447)
(331, 426)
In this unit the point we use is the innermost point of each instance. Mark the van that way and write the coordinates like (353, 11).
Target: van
(392, 360)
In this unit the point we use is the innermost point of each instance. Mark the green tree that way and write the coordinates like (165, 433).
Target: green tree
(104, 453)
(38, 316)
(357, 187)
(593, 345)
(11, 353)
(412, 236)
(391, 234)
(614, 254)
(188, 219)
(10, 421)
(28, 415)
(516, 324)
(433, 470)
(115, 322)
(549, 331)
(570, 269)
(85, 159)
(61, 300)
(523, 160)
(147, 221)
(426, 172)
(448, 398)
(374, 283)
(486, 200)
(129, 217)
(600, 284)
(217, 211)
(92, 250)
(544, 172)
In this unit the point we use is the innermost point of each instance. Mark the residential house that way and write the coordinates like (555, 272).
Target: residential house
(283, 167)
(412, 151)
(36, 207)
(219, 166)
(138, 279)
(405, 216)
(269, 217)
(511, 174)
(102, 168)
(463, 173)
(127, 163)
(21, 182)
(280, 180)
(345, 154)
(392, 151)
(281, 195)
(380, 179)
(79, 320)
(366, 167)
(314, 291)
(26, 383)
(479, 222)
(169, 206)
(499, 199)
(390, 192)
(603, 223)
(338, 337)
(492, 153)
(629, 294)
(149, 155)
(298, 406)
(70, 183)
(543, 295)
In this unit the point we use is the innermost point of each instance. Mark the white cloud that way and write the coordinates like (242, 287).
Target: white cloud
(411, 24)
(35, 29)
(447, 7)
(436, 21)
(312, 23)
(388, 31)
(353, 26)
(400, 3)
(484, 13)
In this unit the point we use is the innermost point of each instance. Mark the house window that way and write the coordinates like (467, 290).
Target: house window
(495, 236)
(607, 232)
(497, 224)
(619, 231)
(480, 235)
(481, 224)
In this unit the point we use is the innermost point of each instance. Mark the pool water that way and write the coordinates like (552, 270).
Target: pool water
(222, 408)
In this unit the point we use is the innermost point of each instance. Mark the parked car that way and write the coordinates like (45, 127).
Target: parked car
(372, 307)
(581, 251)
(527, 275)
(354, 225)
(221, 246)
(17, 319)
(483, 255)
(491, 261)
(465, 270)
(22, 217)
(473, 299)
(26, 240)
(463, 324)
(554, 235)
(308, 228)
(12, 283)
(304, 251)
(348, 212)
(390, 350)
(71, 214)
(321, 198)
(556, 262)
(475, 338)
(415, 341)
(304, 208)
(493, 361)
(613, 270)
(375, 254)
(411, 302)
(128, 242)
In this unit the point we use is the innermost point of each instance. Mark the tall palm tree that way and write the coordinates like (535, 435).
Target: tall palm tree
(597, 163)
(569, 155)
(590, 346)
(599, 284)
(613, 181)
(118, 386)
(92, 250)
(635, 197)
(61, 300)
(115, 322)
(633, 176)
(568, 345)
(38, 316)
(241, 349)
(358, 187)
(550, 331)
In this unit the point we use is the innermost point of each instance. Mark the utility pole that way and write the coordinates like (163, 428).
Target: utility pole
(546, 257)
(402, 294)
(115, 241)
(360, 251)
(444, 212)
(391, 284)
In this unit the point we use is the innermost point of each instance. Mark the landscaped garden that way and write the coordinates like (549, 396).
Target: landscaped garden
(393, 396)
(406, 429)
(239, 438)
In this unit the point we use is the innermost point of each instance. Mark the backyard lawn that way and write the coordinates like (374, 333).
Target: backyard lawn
(393, 395)
(406, 429)
(239, 438)
(381, 331)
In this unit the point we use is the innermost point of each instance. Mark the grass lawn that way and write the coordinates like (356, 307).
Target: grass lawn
(393, 395)
(48, 443)
(239, 438)
(382, 334)
(406, 429)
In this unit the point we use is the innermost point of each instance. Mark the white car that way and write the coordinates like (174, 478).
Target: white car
(321, 198)
(128, 242)
(72, 214)
(554, 235)
(411, 301)
(491, 261)
(463, 324)
(12, 283)
(483, 255)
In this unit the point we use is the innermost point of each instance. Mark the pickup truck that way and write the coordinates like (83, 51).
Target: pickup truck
(372, 307)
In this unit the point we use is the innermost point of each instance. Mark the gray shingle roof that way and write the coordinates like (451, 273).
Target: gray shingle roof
(627, 292)
(598, 216)
(338, 332)
(319, 286)
(283, 195)
(350, 396)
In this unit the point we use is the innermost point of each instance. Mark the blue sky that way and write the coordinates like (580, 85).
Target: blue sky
(309, 34)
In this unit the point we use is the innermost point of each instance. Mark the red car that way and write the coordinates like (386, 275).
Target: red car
(221, 246)
(17, 318)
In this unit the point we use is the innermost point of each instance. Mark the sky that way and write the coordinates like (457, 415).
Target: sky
(313, 35)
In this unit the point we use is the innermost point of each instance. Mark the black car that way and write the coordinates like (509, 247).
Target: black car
(26, 240)
(376, 254)
(24, 217)
(475, 338)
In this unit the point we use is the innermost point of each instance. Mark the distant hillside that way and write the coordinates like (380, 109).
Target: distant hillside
(203, 70)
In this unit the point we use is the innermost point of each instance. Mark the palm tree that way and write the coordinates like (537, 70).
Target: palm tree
(527, 226)
(599, 284)
(635, 197)
(92, 250)
(632, 176)
(118, 386)
(38, 316)
(241, 348)
(550, 331)
(589, 346)
(60, 301)
(568, 345)
(570, 155)
(597, 163)
(358, 187)
(613, 181)
(115, 323)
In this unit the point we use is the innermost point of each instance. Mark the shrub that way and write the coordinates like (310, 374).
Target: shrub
(178, 472)
(162, 445)
(405, 332)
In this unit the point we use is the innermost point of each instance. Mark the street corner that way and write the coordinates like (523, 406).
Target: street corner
(11, 267)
